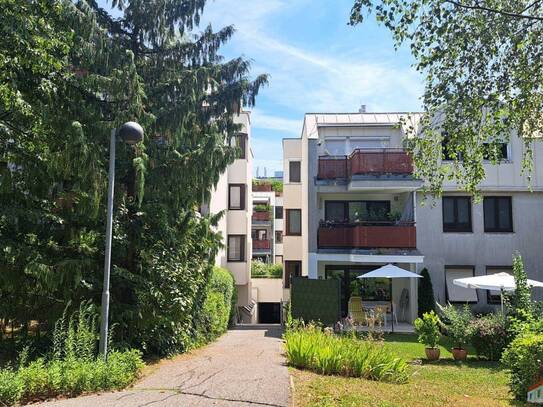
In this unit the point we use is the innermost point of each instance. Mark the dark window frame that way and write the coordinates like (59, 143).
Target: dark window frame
(280, 234)
(457, 227)
(241, 143)
(242, 249)
(459, 267)
(498, 229)
(299, 171)
(242, 198)
(347, 202)
(489, 299)
(504, 147)
(255, 232)
(287, 213)
(287, 271)
(278, 212)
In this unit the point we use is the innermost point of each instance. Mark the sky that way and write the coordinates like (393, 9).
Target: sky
(316, 63)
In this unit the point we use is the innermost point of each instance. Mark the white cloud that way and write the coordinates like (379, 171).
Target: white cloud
(261, 120)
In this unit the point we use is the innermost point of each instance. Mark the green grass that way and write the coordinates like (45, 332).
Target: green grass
(441, 383)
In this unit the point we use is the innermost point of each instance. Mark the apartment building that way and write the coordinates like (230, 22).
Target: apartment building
(267, 234)
(352, 204)
(233, 195)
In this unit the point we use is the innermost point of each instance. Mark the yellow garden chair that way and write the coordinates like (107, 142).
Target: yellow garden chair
(356, 311)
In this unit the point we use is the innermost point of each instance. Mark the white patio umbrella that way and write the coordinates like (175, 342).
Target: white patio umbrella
(496, 282)
(390, 271)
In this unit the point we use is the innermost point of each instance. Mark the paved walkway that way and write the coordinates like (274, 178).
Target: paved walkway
(243, 368)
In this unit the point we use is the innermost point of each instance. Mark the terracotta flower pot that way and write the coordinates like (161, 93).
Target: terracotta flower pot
(459, 353)
(432, 353)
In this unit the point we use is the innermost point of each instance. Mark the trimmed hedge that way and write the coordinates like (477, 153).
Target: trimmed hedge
(218, 308)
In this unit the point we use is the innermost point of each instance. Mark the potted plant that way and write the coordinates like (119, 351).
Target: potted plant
(427, 329)
(458, 325)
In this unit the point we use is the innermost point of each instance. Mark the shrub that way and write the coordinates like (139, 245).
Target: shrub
(427, 328)
(426, 300)
(263, 270)
(489, 336)
(523, 358)
(73, 367)
(321, 351)
(216, 310)
(457, 323)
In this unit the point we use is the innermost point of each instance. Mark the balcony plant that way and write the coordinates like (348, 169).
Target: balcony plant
(427, 329)
(458, 325)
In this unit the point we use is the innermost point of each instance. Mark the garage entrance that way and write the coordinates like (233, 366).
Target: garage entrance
(269, 312)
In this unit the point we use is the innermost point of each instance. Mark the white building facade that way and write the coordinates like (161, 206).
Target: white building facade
(352, 204)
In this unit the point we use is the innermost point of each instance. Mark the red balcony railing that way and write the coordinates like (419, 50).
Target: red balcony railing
(261, 244)
(262, 187)
(373, 235)
(261, 216)
(365, 161)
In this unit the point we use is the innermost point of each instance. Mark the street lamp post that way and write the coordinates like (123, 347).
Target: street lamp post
(131, 133)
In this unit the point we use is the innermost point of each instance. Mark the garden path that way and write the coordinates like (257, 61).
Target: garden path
(245, 367)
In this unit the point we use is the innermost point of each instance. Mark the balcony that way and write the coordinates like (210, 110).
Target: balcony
(261, 216)
(262, 245)
(365, 162)
(262, 188)
(367, 235)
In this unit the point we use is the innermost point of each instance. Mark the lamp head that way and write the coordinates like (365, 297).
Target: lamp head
(131, 132)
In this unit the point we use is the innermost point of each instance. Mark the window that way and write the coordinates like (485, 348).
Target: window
(294, 173)
(236, 248)
(498, 214)
(456, 214)
(356, 211)
(236, 196)
(239, 141)
(494, 297)
(292, 269)
(279, 259)
(278, 212)
(455, 293)
(498, 151)
(259, 234)
(294, 222)
(278, 236)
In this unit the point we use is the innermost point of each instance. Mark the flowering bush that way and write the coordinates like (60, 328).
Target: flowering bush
(489, 336)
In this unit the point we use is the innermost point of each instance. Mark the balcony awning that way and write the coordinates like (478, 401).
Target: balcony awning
(383, 256)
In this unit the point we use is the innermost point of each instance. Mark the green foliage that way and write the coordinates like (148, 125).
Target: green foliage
(265, 270)
(262, 208)
(482, 86)
(69, 73)
(519, 303)
(426, 300)
(321, 351)
(216, 313)
(73, 367)
(490, 335)
(276, 185)
(427, 329)
(523, 358)
(457, 323)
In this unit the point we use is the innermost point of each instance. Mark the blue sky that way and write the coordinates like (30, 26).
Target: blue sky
(316, 63)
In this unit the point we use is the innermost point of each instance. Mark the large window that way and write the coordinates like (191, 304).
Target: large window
(494, 297)
(457, 214)
(239, 141)
(292, 269)
(278, 212)
(455, 293)
(236, 248)
(498, 214)
(236, 196)
(356, 211)
(294, 222)
(294, 172)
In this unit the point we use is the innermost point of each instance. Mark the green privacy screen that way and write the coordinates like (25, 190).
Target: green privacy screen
(315, 300)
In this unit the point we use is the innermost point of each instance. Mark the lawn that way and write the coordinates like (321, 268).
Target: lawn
(443, 383)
